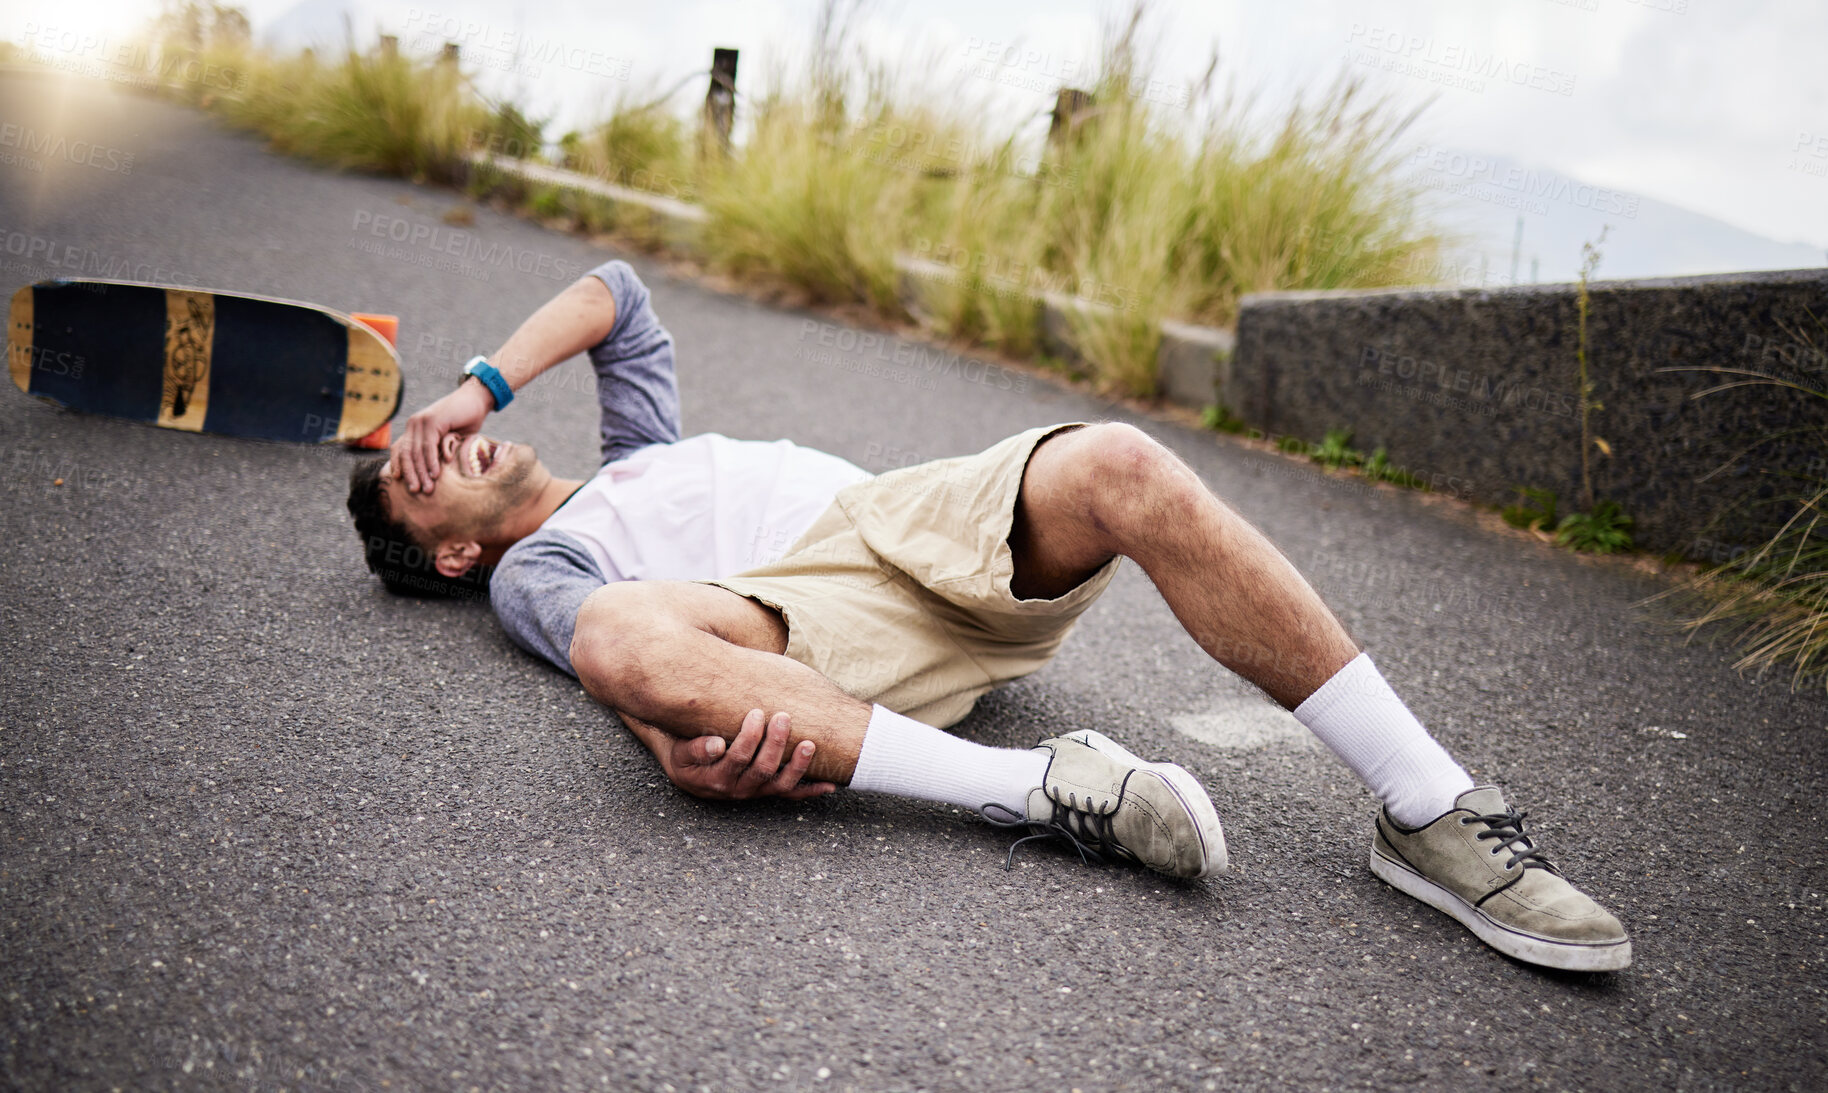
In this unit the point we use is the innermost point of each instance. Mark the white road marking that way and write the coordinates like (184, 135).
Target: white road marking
(1245, 723)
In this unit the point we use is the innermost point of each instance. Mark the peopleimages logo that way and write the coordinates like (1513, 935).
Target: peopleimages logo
(1809, 153)
(80, 261)
(61, 471)
(83, 153)
(899, 361)
(1526, 189)
(1406, 53)
(1439, 383)
(1013, 55)
(510, 49)
(464, 245)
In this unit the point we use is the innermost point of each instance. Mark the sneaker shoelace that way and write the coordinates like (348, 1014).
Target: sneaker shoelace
(1507, 828)
(1089, 829)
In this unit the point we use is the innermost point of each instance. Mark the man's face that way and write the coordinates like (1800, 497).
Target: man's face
(480, 480)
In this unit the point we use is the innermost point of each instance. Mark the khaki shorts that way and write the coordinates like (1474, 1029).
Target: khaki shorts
(899, 592)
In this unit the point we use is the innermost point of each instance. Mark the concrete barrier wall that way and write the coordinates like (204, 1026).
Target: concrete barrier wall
(1480, 387)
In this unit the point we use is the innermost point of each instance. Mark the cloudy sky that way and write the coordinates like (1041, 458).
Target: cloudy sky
(1720, 106)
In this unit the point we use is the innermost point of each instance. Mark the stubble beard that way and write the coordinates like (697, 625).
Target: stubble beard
(510, 490)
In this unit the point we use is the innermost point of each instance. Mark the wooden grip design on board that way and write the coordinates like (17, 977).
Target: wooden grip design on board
(190, 334)
(19, 339)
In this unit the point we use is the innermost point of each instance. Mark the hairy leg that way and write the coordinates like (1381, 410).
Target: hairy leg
(1106, 490)
(693, 659)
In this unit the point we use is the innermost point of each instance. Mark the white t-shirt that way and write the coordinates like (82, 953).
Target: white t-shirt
(703, 507)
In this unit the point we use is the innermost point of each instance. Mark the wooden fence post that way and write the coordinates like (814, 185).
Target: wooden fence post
(1069, 103)
(720, 102)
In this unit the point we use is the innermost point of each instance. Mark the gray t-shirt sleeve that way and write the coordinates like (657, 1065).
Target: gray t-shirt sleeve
(637, 387)
(537, 589)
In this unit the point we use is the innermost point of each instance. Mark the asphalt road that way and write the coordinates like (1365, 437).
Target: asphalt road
(264, 826)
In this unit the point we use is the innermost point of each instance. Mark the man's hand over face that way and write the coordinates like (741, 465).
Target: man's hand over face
(415, 455)
(750, 766)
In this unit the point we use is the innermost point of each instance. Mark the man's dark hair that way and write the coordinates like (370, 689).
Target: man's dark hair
(405, 566)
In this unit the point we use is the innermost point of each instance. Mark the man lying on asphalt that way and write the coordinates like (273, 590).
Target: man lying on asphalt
(694, 583)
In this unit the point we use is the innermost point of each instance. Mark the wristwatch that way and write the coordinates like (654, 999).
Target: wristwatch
(492, 379)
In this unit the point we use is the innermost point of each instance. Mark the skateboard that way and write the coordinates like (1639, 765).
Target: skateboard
(214, 362)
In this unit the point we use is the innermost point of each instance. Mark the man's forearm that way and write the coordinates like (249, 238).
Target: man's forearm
(757, 763)
(571, 322)
(564, 326)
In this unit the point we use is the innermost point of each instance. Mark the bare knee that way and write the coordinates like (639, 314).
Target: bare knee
(1130, 483)
(1126, 453)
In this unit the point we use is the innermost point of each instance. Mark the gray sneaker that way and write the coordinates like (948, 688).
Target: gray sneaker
(1104, 800)
(1477, 864)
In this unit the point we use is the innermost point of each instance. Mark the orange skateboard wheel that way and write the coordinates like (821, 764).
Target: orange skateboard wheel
(387, 326)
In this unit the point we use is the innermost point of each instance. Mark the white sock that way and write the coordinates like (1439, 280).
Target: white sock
(904, 757)
(1357, 715)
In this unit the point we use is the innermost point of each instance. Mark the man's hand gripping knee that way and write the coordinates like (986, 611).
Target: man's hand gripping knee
(757, 763)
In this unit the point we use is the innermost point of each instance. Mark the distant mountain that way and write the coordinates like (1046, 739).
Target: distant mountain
(1481, 197)
(316, 24)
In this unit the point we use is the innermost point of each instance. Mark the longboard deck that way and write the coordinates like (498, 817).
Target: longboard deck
(215, 362)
